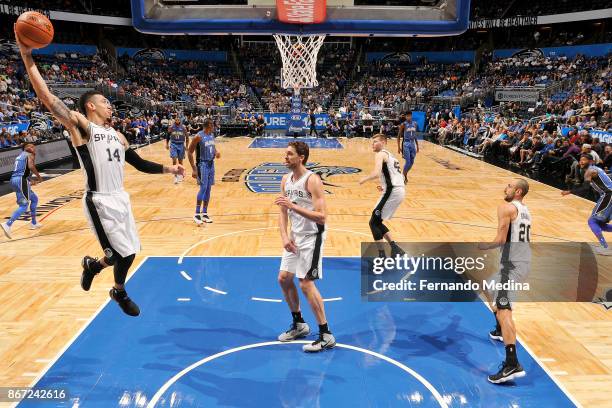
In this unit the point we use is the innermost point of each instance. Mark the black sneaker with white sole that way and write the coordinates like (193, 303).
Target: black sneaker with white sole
(206, 219)
(507, 373)
(496, 334)
(88, 273)
(125, 303)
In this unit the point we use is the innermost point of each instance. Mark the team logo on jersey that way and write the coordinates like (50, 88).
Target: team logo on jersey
(266, 178)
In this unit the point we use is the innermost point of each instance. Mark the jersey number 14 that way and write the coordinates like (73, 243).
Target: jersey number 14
(115, 155)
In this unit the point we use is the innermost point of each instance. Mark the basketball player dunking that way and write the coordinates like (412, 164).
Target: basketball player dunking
(203, 168)
(410, 146)
(102, 152)
(513, 236)
(387, 169)
(24, 165)
(303, 202)
(177, 138)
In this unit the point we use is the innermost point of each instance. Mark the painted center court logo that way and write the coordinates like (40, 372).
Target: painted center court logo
(266, 178)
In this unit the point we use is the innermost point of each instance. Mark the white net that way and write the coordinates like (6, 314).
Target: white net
(299, 55)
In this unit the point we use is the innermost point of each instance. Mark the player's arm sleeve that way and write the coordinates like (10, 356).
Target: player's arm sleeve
(141, 164)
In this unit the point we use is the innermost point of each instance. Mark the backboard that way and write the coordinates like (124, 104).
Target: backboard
(418, 18)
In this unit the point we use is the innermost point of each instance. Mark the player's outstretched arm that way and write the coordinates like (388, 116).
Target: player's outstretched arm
(147, 166)
(378, 163)
(70, 119)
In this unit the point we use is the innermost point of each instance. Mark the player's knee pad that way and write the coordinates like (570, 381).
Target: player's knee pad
(376, 226)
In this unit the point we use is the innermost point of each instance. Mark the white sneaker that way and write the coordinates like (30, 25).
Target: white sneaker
(35, 226)
(296, 331)
(206, 218)
(176, 179)
(325, 341)
(181, 178)
(7, 230)
(198, 219)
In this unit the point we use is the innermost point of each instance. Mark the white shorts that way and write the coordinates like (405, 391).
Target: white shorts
(508, 271)
(307, 263)
(388, 206)
(110, 217)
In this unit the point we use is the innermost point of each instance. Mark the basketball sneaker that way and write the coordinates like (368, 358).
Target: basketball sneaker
(396, 250)
(599, 250)
(296, 331)
(35, 226)
(176, 179)
(88, 272)
(507, 373)
(7, 230)
(125, 303)
(198, 219)
(496, 334)
(325, 341)
(206, 218)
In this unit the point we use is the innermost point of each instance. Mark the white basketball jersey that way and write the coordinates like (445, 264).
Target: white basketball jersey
(391, 176)
(517, 248)
(103, 159)
(295, 190)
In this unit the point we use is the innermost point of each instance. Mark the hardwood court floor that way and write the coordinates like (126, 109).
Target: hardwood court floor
(450, 197)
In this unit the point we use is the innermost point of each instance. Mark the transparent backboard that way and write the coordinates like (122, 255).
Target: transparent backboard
(419, 18)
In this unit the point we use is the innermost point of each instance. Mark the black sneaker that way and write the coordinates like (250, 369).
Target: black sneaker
(88, 274)
(125, 303)
(496, 334)
(507, 373)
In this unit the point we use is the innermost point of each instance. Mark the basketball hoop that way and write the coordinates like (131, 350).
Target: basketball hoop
(299, 55)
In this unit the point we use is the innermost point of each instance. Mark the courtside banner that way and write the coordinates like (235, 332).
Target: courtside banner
(45, 152)
(474, 272)
(301, 11)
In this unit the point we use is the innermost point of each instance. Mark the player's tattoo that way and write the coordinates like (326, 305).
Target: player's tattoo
(61, 111)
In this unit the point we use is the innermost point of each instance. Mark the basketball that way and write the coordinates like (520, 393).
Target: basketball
(34, 29)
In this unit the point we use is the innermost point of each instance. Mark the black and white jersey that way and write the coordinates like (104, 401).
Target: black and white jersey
(103, 159)
(391, 175)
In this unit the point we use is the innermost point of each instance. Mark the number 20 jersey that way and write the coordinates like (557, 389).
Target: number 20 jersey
(517, 248)
(103, 159)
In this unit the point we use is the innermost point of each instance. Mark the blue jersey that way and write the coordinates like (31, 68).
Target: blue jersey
(206, 148)
(21, 165)
(177, 134)
(601, 181)
(409, 131)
